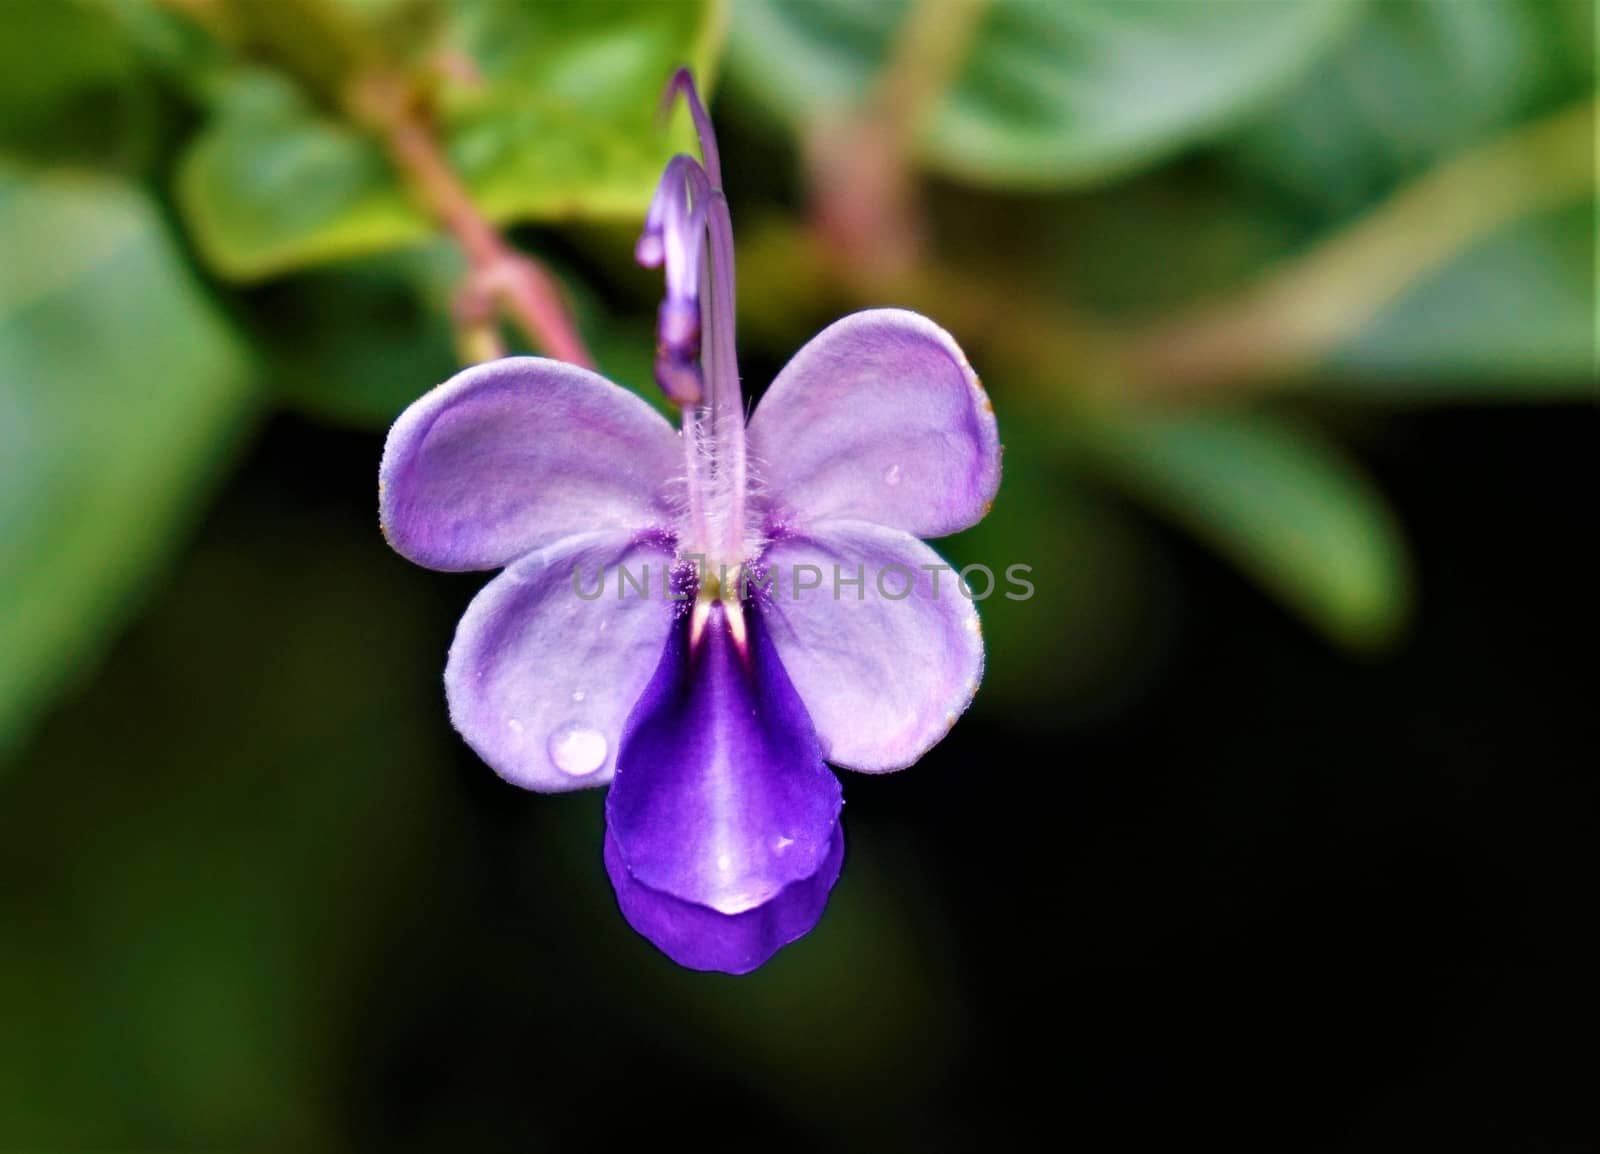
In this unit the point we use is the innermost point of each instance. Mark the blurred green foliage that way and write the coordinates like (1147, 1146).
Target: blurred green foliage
(69, 85)
(1413, 82)
(554, 119)
(195, 229)
(348, 342)
(123, 395)
(1278, 501)
(1049, 94)
(1529, 290)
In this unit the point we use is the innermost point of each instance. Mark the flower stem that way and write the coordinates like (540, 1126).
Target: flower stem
(929, 49)
(1267, 336)
(329, 50)
(521, 286)
(866, 201)
(1299, 312)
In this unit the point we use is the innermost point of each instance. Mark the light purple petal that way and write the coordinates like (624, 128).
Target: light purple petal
(540, 679)
(883, 676)
(721, 798)
(513, 454)
(703, 939)
(878, 418)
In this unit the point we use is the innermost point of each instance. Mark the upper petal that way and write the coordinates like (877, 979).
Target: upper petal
(509, 455)
(721, 798)
(540, 678)
(878, 418)
(884, 669)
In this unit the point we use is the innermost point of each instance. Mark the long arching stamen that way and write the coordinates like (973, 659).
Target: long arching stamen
(726, 398)
(682, 84)
(719, 360)
(689, 231)
(674, 237)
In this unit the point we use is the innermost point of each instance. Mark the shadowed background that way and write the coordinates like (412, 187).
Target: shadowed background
(1272, 822)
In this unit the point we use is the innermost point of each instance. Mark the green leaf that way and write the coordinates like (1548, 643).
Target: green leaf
(120, 394)
(561, 124)
(1282, 505)
(1416, 82)
(68, 85)
(357, 342)
(272, 185)
(1512, 318)
(169, 41)
(1050, 94)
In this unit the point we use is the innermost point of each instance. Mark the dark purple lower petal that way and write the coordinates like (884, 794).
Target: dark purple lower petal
(721, 798)
(702, 939)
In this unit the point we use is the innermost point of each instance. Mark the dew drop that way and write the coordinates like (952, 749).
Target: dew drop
(576, 749)
(578, 695)
(891, 475)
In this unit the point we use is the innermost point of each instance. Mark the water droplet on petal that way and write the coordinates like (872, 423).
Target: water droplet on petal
(576, 749)
(891, 475)
(514, 726)
(578, 695)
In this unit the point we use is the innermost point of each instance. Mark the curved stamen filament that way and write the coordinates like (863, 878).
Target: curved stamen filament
(682, 84)
(726, 398)
(688, 228)
(674, 237)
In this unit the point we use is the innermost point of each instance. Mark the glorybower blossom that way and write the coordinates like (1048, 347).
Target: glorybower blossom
(712, 696)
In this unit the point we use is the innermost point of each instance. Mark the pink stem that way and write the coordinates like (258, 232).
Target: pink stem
(523, 286)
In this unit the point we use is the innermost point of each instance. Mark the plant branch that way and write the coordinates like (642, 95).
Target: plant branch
(330, 51)
(862, 167)
(1273, 331)
(498, 273)
(929, 49)
(1297, 314)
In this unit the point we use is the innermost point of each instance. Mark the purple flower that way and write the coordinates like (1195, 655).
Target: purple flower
(651, 629)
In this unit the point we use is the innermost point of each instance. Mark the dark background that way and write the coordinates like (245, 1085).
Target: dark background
(1286, 901)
